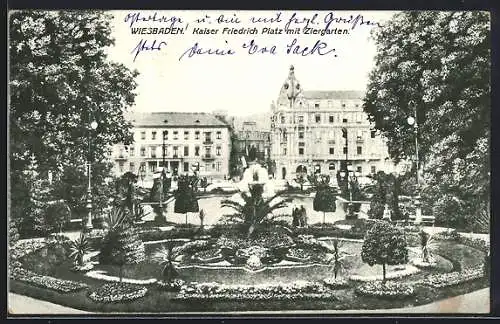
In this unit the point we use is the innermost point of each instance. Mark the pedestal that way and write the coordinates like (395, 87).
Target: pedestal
(418, 211)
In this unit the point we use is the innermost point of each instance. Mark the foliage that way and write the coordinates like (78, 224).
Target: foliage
(453, 278)
(78, 249)
(437, 64)
(59, 285)
(325, 201)
(121, 245)
(384, 244)
(60, 80)
(426, 242)
(255, 211)
(392, 290)
(57, 216)
(165, 257)
(13, 233)
(185, 197)
(117, 292)
(387, 192)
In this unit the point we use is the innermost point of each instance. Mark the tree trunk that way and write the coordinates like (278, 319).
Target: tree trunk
(383, 272)
(324, 217)
(186, 218)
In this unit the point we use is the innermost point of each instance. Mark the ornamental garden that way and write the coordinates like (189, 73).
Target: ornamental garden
(254, 258)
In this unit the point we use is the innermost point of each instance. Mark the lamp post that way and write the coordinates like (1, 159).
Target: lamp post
(412, 121)
(162, 175)
(349, 176)
(88, 226)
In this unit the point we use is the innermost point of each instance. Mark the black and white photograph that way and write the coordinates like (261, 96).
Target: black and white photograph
(248, 162)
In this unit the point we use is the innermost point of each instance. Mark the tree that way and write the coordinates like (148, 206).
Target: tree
(165, 256)
(126, 190)
(185, 196)
(437, 64)
(387, 193)
(255, 211)
(60, 80)
(384, 244)
(325, 198)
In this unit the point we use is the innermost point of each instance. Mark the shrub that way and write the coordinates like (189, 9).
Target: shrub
(78, 248)
(389, 290)
(384, 244)
(59, 285)
(336, 283)
(58, 215)
(453, 278)
(174, 285)
(117, 292)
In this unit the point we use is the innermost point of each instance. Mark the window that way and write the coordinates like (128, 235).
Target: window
(165, 135)
(345, 150)
(207, 166)
(301, 151)
(219, 134)
(373, 169)
(316, 105)
(208, 137)
(332, 150)
(186, 150)
(176, 151)
(302, 144)
(120, 166)
(186, 166)
(301, 119)
(176, 135)
(152, 167)
(218, 166)
(372, 134)
(330, 119)
(282, 119)
(359, 135)
(142, 167)
(317, 118)
(121, 154)
(218, 150)
(131, 151)
(344, 120)
(143, 151)
(196, 151)
(152, 149)
(143, 135)
(301, 135)
(284, 151)
(359, 150)
(132, 167)
(343, 105)
(359, 169)
(186, 135)
(331, 166)
(153, 135)
(197, 135)
(208, 151)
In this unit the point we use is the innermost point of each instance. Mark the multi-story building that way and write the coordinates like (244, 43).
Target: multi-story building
(249, 136)
(309, 131)
(190, 141)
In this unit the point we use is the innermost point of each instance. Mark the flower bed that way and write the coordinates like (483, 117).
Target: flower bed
(390, 290)
(117, 292)
(212, 255)
(25, 247)
(453, 278)
(299, 255)
(59, 285)
(190, 247)
(288, 291)
(174, 285)
(407, 271)
(336, 283)
(418, 262)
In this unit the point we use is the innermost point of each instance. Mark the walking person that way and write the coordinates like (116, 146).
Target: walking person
(303, 216)
(295, 217)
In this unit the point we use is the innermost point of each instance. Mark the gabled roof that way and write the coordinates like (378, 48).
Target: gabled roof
(175, 119)
(341, 94)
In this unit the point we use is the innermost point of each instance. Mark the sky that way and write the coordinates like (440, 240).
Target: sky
(240, 84)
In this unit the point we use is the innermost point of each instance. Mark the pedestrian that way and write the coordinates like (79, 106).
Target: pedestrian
(295, 221)
(303, 216)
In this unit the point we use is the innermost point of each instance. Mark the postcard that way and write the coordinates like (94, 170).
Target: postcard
(284, 162)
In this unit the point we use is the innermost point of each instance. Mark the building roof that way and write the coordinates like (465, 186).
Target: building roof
(346, 94)
(176, 119)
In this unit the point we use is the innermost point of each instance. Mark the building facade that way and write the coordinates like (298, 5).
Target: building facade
(191, 141)
(323, 131)
(249, 136)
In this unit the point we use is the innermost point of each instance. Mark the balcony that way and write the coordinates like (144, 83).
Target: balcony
(360, 140)
(121, 157)
(208, 141)
(208, 157)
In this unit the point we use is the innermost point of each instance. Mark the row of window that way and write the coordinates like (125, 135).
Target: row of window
(301, 133)
(317, 119)
(153, 166)
(359, 169)
(153, 151)
(331, 150)
(175, 135)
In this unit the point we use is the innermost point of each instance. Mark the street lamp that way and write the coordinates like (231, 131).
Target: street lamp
(412, 121)
(350, 176)
(93, 126)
